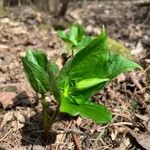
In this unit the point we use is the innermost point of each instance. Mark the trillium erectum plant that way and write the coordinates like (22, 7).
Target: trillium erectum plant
(88, 71)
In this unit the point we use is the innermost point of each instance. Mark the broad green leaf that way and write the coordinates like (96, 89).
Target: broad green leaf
(87, 63)
(98, 113)
(87, 73)
(117, 64)
(37, 76)
(82, 43)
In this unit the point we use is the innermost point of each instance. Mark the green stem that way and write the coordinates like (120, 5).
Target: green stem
(46, 120)
(44, 114)
(53, 118)
(72, 52)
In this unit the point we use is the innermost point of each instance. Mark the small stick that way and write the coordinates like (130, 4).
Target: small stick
(76, 139)
(69, 131)
(6, 135)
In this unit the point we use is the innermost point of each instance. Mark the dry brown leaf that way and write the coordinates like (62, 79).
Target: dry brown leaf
(121, 78)
(142, 139)
(7, 99)
(124, 144)
(19, 116)
(7, 117)
(143, 117)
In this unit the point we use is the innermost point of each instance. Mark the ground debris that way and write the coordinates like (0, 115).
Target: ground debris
(142, 139)
(7, 99)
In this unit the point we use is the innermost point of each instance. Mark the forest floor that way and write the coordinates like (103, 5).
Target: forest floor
(128, 96)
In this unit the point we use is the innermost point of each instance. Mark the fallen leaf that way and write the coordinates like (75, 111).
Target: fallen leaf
(138, 49)
(143, 117)
(7, 99)
(19, 116)
(124, 144)
(7, 117)
(121, 78)
(142, 139)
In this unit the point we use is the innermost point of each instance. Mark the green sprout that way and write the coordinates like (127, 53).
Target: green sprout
(88, 71)
(75, 38)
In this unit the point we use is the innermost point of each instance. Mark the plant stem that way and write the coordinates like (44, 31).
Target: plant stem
(46, 120)
(53, 117)
(45, 116)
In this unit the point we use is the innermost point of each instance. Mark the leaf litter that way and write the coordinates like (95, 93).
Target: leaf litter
(127, 97)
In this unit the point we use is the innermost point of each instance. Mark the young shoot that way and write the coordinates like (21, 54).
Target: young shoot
(90, 69)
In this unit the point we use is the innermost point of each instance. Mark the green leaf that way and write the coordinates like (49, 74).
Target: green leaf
(94, 61)
(73, 34)
(53, 68)
(87, 73)
(64, 37)
(53, 71)
(76, 34)
(37, 76)
(37, 57)
(98, 113)
(90, 82)
(117, 64)
(75, 37)
(82, 43)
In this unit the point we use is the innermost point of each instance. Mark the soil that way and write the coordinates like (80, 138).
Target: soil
(128, 96)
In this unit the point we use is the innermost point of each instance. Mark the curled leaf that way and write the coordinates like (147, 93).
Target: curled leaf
(90, 82)
(35, 71)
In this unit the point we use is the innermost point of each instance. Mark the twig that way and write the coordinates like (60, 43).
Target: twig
(57, 146)
(59, 131)
(8, 142)
(122, 123)
(6, 135)
(76, 139)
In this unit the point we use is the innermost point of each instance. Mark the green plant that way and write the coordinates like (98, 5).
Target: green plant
(84, 74)
(76, 39)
